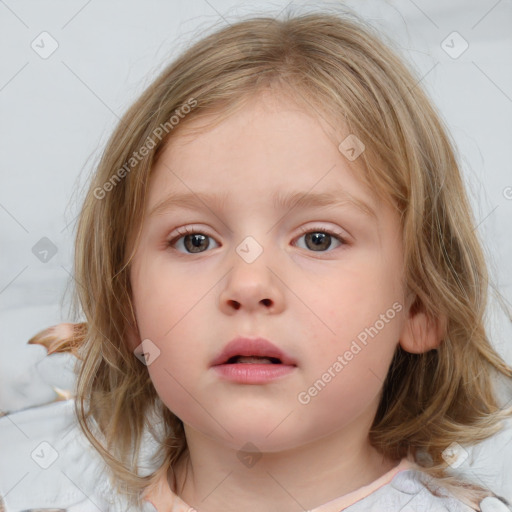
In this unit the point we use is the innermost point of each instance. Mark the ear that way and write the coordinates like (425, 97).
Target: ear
(421, 332)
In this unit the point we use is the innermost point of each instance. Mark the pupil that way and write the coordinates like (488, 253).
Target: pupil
(196, 239)
(320, 240)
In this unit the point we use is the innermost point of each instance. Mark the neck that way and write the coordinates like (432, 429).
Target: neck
(307, 476)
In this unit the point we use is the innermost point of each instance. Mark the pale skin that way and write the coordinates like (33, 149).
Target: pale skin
(311, 302)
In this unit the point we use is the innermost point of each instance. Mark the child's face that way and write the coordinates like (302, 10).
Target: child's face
(312, 300)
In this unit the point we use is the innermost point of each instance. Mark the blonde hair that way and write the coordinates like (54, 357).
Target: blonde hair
(338, 68)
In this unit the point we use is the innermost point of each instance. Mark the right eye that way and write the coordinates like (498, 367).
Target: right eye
(193, 240)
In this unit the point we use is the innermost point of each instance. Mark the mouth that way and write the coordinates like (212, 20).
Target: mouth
(256, 351)
(257, 364)
(253, 360)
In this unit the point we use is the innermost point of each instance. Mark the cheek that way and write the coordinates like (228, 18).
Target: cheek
(168, 306)
(163, 297)
(342, 304)
(171, 385)
(354, 336)
(347, 375)
(175, 372)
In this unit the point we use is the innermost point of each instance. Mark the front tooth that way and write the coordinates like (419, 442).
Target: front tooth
(253, 360)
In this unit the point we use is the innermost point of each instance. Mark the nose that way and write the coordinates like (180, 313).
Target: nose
(252, 287)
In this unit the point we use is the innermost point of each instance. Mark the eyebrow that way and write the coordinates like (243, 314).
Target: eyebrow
(190, 200)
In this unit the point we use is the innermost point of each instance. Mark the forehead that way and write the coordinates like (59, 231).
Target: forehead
(267, 147)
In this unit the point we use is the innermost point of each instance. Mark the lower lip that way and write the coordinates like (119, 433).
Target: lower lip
(247, 373)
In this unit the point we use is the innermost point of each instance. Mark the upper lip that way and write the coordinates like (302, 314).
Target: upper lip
(254, 346)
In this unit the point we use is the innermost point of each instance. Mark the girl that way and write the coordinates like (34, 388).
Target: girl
(277, 259)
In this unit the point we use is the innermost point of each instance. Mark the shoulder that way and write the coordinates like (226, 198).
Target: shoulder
(413, 490)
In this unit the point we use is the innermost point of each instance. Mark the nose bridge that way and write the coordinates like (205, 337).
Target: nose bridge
(251, 283)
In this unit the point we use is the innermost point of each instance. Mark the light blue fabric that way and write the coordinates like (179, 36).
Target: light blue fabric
(408, 492)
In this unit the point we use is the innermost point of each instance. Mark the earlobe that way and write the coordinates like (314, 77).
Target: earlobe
(422, 333)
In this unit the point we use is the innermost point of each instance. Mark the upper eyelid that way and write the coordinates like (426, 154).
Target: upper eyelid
(334, 231)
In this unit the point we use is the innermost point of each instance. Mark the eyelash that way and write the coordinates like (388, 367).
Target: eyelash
(181, 232)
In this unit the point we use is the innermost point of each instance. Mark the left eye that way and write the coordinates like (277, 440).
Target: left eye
(316, 239)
